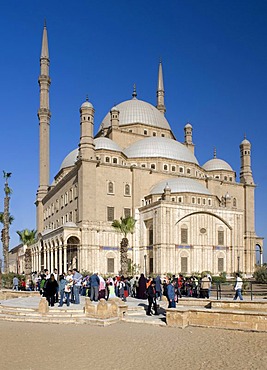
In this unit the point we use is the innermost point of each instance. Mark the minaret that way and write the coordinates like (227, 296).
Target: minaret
(160, 92)
(245, 170)
(86, 145)
(44, 116)
(188, 134)
(87, 166)
(249, 206)
(114, 117)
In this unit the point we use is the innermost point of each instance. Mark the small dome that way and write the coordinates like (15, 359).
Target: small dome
(245, 141)
(180, 185)
(87, 104)
(188, 125)
(105, 143)
(217, 164)
(114, 109)
(100, 143)
(70, 159)
(160, 147)
(138, 111)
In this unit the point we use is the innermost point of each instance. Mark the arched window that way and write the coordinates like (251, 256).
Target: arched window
(127, 189)
(234, 202)
(184, 234)
(220, 236)
(110, 187)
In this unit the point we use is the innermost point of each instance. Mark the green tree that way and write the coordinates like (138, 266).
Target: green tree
(27, 237)
(124, 226)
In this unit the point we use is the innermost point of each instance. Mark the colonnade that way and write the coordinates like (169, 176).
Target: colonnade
(55, 256)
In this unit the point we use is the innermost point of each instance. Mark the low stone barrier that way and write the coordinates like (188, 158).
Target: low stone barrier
(105, 309)
(9, 294)
(216, 318)
(240, 305)
(43, 306)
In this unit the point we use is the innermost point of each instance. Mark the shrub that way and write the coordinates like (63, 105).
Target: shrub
(260, 274)
(7, 280)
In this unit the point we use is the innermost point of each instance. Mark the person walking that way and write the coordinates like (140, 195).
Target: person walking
(238, 287)
(151, 296)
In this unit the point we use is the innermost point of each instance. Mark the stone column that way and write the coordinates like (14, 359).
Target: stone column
(45, 261)
(56, 257)
(60, 260)
(48, 258)
(39, 261)
(65, 258)
(52, 258)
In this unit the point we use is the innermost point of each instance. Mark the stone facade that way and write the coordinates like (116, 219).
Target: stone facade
(189, 218)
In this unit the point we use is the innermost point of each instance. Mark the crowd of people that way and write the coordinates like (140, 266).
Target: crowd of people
(66, 288)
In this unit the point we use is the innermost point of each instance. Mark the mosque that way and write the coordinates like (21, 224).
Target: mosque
(189, 217)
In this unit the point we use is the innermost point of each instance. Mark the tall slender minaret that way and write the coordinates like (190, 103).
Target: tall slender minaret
(160, 92)
(245, 170)
(246, 179)
(44, 116)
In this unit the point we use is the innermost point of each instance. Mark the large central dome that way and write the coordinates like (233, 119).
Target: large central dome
(138, 111)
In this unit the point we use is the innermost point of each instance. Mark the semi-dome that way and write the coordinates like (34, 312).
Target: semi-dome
(138, 111)
(180, 185)
(217, 164)
(100, 143)
(160, 147)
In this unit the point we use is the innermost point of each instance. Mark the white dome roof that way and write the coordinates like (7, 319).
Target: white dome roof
(160, 147)
(70, 159)
(87, 104)
(217, 164)
(138, 111)
(100, 143)
(106, 143)
(245, 141)
(180, 185)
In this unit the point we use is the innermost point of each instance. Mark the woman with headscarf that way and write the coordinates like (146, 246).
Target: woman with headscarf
(142, 287)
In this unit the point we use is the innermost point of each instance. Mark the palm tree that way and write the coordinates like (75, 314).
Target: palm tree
(27, 237)
(10, 220)
(124, 226)
(6, 223)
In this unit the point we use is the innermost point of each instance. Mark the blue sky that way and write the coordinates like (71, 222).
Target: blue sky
(214, 62)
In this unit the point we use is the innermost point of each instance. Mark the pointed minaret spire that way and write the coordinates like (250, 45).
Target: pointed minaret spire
(44, 52)
(134, 94)
(44, 116)
(160, 91)
(214, 153)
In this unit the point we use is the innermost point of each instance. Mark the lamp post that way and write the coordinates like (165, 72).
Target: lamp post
(145, 256)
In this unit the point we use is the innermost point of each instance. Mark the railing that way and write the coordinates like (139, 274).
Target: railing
(251, 288)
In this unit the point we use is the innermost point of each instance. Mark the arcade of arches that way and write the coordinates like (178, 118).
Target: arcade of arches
(56, 254)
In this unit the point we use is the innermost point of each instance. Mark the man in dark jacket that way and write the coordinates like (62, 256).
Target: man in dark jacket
(171, 294)
(151, 296)
(94, 284)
